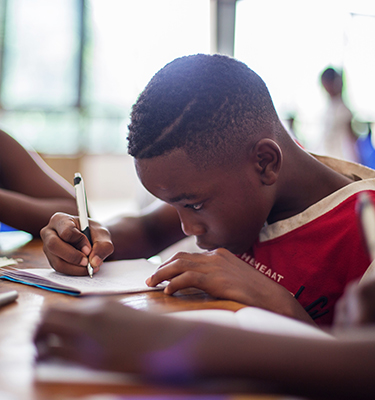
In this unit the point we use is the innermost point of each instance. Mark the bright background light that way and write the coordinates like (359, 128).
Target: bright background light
(290, 42)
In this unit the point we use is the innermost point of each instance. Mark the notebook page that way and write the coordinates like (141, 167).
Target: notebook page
(254, 319)
(125, 276)
(259, 320)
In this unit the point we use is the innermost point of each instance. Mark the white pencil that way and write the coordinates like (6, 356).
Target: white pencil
(83, 212)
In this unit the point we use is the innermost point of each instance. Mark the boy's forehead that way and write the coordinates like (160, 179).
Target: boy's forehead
(174, 172)
(171, 163)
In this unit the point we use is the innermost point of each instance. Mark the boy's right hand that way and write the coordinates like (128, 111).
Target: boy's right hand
(68, 250)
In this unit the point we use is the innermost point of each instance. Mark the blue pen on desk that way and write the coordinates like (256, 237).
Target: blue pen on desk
(367, 218)
(83, 212)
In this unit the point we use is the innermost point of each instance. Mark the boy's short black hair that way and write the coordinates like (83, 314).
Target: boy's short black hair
(209, 105)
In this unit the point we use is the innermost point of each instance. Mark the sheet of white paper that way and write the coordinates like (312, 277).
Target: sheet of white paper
(221, 317)
(255, 319)
(126, 276)
(6, 262)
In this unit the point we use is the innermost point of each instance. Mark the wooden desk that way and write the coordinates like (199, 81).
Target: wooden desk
(19, 319)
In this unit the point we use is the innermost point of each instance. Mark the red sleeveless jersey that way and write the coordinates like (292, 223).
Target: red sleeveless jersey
(315, 254)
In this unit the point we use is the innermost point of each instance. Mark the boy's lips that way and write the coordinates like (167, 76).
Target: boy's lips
(210, 247)
(206, 246)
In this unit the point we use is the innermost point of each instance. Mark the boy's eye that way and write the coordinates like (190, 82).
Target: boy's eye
(195, 207)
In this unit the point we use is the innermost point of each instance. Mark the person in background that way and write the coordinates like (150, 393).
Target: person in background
(30, 191)
(339, 140)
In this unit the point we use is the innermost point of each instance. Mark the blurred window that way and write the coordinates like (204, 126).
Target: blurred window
(71, 69)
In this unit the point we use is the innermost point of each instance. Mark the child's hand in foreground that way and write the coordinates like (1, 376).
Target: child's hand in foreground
(108, 335)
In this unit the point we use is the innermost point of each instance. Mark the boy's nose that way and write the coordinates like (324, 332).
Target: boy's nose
(192, 228)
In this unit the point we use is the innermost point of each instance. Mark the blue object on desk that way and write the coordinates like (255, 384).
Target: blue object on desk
(6, 228)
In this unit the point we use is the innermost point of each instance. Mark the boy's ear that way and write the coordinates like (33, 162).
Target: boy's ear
(267, 158)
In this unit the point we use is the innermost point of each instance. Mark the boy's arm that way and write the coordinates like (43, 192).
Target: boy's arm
(223, 275)
(127, 340)
(30, 191)
(68, 250)
(145, 235)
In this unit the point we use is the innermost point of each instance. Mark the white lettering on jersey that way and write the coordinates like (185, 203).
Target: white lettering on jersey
(261, 267)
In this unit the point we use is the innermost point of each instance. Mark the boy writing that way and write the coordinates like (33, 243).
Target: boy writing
(278, 224)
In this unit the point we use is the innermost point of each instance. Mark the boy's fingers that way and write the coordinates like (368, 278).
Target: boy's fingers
(186, 280)
(171, 270)
(54, 245)
(68, 250)
(181, 255)
(66, 227)
(66, 268)
(102, 245)
(64, 257)
(163, 273)
(61, 238)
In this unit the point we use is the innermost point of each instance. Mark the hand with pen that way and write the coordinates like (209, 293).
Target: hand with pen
(126, 237)
(68, 249)
(70, 244)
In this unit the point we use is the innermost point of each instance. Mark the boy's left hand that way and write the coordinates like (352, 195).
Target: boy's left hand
(223, 275)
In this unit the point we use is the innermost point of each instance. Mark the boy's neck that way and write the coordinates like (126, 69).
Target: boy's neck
(304, 182)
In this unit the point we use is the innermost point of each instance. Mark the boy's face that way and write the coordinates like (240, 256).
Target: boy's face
(221, 207)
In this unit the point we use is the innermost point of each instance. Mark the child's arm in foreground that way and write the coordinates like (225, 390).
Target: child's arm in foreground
(126, 340)
(30, 192)
(68, 250)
